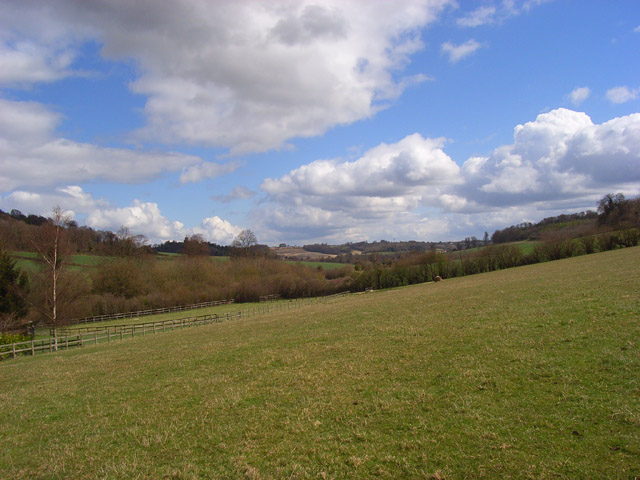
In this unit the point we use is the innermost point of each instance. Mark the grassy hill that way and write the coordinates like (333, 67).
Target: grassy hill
(530, 372)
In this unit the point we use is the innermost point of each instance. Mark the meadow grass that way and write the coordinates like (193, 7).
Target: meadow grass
(31, 261)
(530, 372)
(231, 308)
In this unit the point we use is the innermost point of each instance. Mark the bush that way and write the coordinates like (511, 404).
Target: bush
(629, 237)
(588, 243)
(9, 338)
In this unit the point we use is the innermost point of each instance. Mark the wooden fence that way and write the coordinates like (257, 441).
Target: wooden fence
(145, 313)
(69, 337)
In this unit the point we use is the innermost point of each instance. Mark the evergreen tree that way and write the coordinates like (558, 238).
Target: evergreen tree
(14, 286)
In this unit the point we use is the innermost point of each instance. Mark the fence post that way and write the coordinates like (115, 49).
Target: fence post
(33, 350)
(66, 341)
(108, 335)
(95, 337)
(13, 350)
(121, 333)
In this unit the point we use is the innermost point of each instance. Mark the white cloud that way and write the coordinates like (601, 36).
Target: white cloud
(479, 16)
(24, 63)
(141, 218)
(351, 198)
(244, 75)
(637, 29)
(559, 162)
(145, 218)
(579, 95)
(216, 230)
(458, 52)
(32, 156)
(384, 172)
(561, 155)
(71, 198)
(622, 94)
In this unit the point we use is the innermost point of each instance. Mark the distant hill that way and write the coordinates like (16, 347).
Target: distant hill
(534, 231)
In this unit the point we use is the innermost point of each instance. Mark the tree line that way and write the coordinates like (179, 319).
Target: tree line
(137, 279)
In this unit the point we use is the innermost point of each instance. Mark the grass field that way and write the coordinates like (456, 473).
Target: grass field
(531, 372)
(31, 261)
(231, 308)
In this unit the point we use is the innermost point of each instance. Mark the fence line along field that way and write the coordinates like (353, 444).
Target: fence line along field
(126, 326)
(530, 372)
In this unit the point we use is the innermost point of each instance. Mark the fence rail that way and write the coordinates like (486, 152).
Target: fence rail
(71, 337)
(145, 313)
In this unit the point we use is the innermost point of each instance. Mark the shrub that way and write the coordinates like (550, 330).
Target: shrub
(588, 243)
(9, 338)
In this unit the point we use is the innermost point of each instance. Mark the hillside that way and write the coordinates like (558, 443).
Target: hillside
(529, 372)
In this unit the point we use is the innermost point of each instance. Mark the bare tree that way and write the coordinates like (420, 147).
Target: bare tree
(53, 248)
(128, 243)
(195, 246)
(244, 242)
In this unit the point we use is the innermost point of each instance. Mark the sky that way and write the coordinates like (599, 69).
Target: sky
(317, 121)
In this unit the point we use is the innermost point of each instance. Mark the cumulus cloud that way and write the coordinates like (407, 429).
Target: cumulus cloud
(71, 198)
(142, 218)
(458, 52)
(24, 63)
(31, 155)
(216, 230)
(411, 189)
(622, 94)
(145, 218)
(560, 155)
(579, 95)
(383, 185)
(384, 172)
(243, 75)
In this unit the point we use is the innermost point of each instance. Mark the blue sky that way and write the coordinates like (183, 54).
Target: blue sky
(326, 121)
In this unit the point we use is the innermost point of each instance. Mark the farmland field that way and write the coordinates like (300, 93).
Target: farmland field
(530, 372)
(324, 265)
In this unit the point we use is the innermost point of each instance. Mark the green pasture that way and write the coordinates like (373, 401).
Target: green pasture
(529, 372)
(526, 246)
(31, 261)
(232, 308)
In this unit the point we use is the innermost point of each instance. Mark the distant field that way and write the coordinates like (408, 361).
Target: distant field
(530, 372)
(526, 246)
(30, 261)
(324, 265)
(299, 253)
(219, 309)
